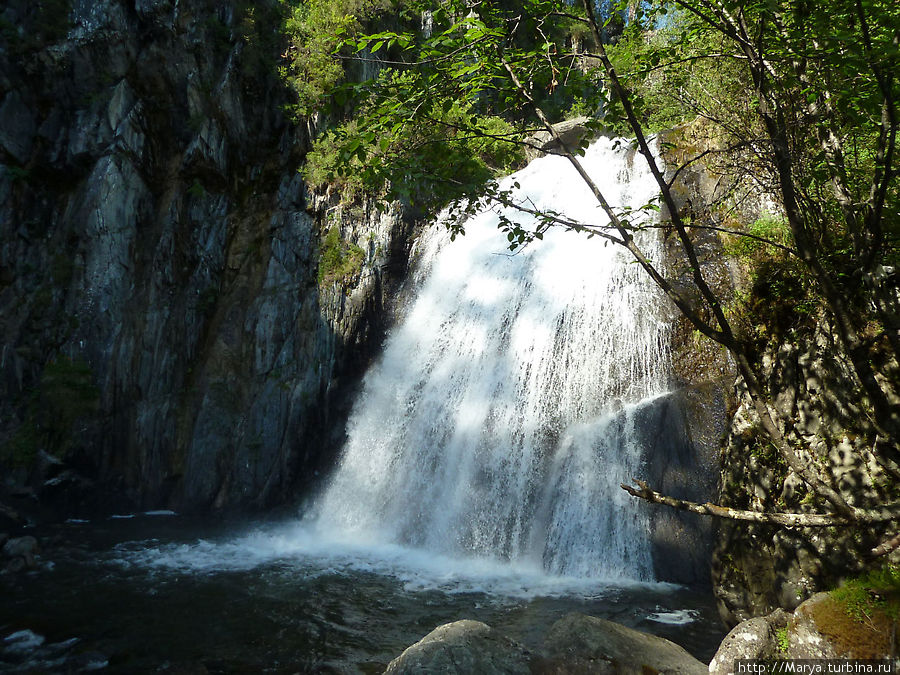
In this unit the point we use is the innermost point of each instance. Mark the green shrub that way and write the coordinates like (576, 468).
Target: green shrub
(64, 396)
(875, 591)
(783, 640)
(427, 165)
(339, 260)
(315, 30)
(769, 227)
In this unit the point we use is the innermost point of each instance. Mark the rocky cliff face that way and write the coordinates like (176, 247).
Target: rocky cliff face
(758, 568)
(166, 338)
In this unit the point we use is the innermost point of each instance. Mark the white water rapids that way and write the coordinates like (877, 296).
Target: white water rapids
(498, 422)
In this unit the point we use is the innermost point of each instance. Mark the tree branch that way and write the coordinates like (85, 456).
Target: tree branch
(886, 547)
(889, 513)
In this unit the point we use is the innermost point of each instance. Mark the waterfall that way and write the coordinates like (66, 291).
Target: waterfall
(500, 419)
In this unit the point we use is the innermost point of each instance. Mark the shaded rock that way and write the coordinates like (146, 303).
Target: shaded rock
(592, 645)
(15, 566)
(9, 517)
(156, 237)
(752, 639)
(20, 546)
(463, 647)
(16, 127)
(681, 460)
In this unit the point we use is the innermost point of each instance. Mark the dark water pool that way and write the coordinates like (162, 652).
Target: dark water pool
(172, 594)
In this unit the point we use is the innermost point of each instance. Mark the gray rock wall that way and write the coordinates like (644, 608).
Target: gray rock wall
(756, 568)
(162, 327)
(759, 568)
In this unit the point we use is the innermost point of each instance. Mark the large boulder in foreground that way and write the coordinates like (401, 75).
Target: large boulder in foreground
(820, 628)
(585, 644)
(463, 647)
(575, 645)
(757, 638)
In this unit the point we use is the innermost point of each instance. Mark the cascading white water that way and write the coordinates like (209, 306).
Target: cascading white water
(499, 420)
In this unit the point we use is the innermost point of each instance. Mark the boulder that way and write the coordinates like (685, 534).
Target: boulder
(805, 635)
(820, 628)
(585, 644)
(15, 565)
(10, 518)
(20, 546)
(463, 647)
(572, 132)
(756, 638)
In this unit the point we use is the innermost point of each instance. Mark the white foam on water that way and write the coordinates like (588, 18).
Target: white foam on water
(304, 550)
(676, 617)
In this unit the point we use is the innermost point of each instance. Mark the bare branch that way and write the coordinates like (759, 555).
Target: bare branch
(886, 547)
(889, 513)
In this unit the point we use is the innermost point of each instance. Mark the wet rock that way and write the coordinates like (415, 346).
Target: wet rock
(20, 546)
(15, 566)
(87, 662)
(197, 668)
(463, 647)
(571, 132)
(591, 645)
(16, 127)
(9, 517)
(22, 641)
(752, 639)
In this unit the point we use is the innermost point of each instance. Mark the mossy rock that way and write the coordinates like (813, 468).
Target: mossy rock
(840, 633)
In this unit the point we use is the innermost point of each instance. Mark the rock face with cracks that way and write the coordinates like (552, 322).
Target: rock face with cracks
(165, 340)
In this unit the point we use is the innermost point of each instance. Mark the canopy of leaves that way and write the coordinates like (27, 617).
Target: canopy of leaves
(440, 117)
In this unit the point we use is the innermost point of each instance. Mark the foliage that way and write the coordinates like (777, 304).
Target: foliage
(17, 173)
(256, 26)
(44, 23)
(782, 640)
(338, 259)
(875, 591)
(424, 165)
(437, 127)
(767, 233)
(315, 31)
(65, 396)
(782, 296)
